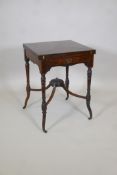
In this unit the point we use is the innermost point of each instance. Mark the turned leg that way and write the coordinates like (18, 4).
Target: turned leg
(67, 81)
(44, 106)
(28, 82)
(88, 97)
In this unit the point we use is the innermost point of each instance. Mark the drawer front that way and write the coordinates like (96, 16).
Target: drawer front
(70, 59)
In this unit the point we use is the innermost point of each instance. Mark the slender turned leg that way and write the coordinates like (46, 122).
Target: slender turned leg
(44, 106)
(88, 97)
(67, 81)
(28, 82)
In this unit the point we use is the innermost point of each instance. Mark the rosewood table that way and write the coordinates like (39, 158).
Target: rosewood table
(57, 53)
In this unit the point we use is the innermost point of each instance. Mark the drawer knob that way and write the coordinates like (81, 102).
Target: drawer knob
(69, 60)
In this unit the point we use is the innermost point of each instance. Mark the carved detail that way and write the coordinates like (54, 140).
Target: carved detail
(56, 82)
(28, 82)
(60, 83)
(67, 81)
(44, 106)
(88, 97)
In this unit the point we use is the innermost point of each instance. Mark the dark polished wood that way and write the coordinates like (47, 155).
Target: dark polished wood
(31, 89)
(88, 97)
(28, 82)
(56, 47)
(67, 81)
(57, 53)
(52, 95)
(44, 105)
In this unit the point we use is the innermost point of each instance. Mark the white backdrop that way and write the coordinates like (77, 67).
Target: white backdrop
(92, 23)
(83, 147)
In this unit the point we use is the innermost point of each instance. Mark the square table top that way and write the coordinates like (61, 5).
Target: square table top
(57, 47)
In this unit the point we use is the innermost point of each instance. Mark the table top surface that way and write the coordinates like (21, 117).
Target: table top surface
(56, 47)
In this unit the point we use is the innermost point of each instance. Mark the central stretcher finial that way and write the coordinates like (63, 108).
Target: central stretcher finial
(57, 82)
